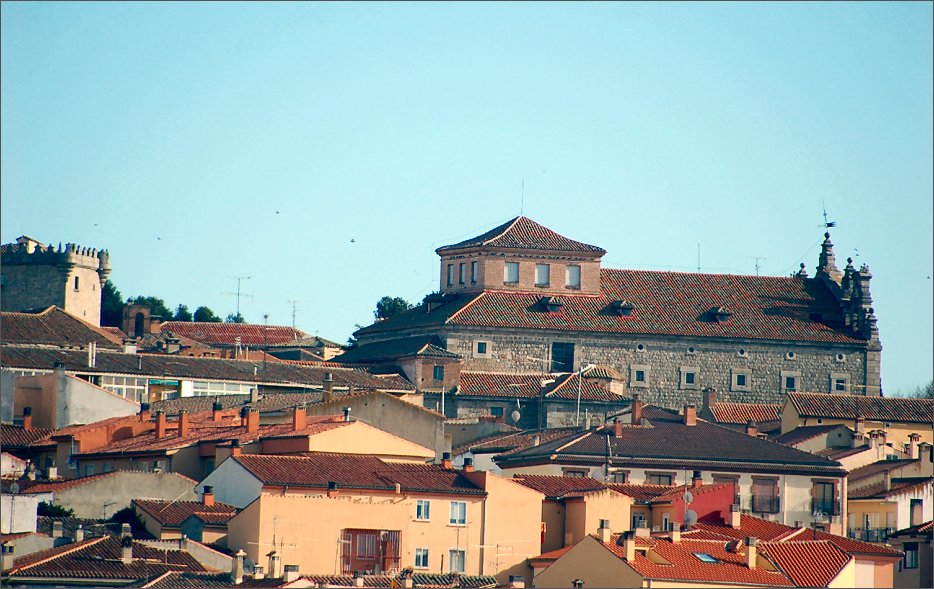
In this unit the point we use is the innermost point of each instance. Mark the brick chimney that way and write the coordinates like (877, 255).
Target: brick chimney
(628, 542)
(184, 425)
(735, 519)
(676, 534)
(160, 425)
(913, 440)
(235, 447)
(636, 408)
(468, 465)
(617, 429)
(446, 460)
(604, 532)
(27, 420)
(144, 413)
(751, 428)
(299, 418)
(697, 479)
(860, 427)
(58, 529)
(252, 421)
(328, 387)
(751, 551)
(710, 398)
(690, 414)
(217, 408)
(332, 489)
(207, 496)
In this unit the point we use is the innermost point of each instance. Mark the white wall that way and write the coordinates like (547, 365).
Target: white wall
(82, 402)
(18, 513)
(903, 506)
(232, 484)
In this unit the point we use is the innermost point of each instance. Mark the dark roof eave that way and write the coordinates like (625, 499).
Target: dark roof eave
(635, 460)
(477, 492)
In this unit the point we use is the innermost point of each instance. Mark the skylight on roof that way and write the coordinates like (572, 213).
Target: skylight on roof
(704, 557)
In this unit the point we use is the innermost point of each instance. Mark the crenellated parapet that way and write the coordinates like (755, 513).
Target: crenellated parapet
(67, 257)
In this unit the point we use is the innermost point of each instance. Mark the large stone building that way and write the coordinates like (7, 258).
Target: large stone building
(522, 299)
(35, 276)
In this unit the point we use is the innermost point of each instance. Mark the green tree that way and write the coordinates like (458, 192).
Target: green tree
(128, 515)
(111, 305)
(182, 313)
(234, 318)
(389, 307)
(206, 315)
(52, 510)
(156, 306)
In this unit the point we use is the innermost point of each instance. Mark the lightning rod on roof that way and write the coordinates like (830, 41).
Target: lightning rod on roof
(827, 224)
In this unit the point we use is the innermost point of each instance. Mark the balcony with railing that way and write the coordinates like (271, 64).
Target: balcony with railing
(825, 506)
(765, 504)
(870, 534)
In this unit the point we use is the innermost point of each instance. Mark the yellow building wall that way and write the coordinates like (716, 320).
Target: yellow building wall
(847, 576)
(553, 515)
(885, 513)
(593, 564)
(897, 433)
(360, 438)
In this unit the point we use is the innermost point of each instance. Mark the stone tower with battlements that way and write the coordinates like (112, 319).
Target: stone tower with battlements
(35, 276)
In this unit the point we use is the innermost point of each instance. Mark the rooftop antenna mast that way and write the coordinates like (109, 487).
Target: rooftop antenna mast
(827, 224)
(757, 258)
(294, 302)
(238, 294)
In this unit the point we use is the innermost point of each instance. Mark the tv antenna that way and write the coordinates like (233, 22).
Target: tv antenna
(757, 258)
(238, 294)
(294, 302)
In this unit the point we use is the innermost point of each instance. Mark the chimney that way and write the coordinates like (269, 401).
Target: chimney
(468, 465)
(252, 421)
(536, 440)
(92, 355)
(236, 567)
(408, 582)
(57, 529)
(254, 395)
(710, 397)
(9, 555)
(332, 489)
(628, 541)
(235, 447)
(79, 534)
(751, 551)
(690, 414)
(735, 517)
(328, 387)
(244, 411)
(144, 414)
(397, 488)
(129, 346)
(752, 429)
(697, 479)
(642, 531)
(51, 473)
(160, 425)
(217, 408)
(275, 565)
(299, 418)
(207, 496)
(291, 573)
(358, 580)
(184, 426)
(516, 582)
(913, 440)
(27, 420)
(604, 532)
(346, 413)
(125, 530)
(860, 426)
(636, 408)
(446, 460)
(617, 429)
(126, 549)
(258, 572)
(676, 534)
(172, 345)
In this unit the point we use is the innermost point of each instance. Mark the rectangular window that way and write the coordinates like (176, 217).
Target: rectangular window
(458, 513)
(617, 477)
(658, 479)
(823, 494)
(421, 558)
(438, 372)
(839, 383)
(496, 411)
(88, 469)
(740, 380)
(789, 381)
(638, 521)
(423, 510)
(689, 377)
(911, 555)
(473, 272)
(511, 273)
(366, 546)
(638, 376)
(450, 274)
(764, 496)
(457, 560)
(461, 273)
(542, 274)
(574, 472)
(481, 349)
(915, 512)
(572, 278)
(562, 357)
(107, 467)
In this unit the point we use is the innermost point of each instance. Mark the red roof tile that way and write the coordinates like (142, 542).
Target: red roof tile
(173, 513)
(900, 409)
(641, 493)
(511, 442)
(422, 346)
(15, 436)
(563, 386)
(741, 413)
(523, 233)
(53, 327)
(558, 487)
(226, 334)
(918, 530)
(803, 433)
(317, 469)
(807, 563)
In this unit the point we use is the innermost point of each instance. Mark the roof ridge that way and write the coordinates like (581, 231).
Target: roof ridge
(469, 304)
(68, 549)
(504, 232)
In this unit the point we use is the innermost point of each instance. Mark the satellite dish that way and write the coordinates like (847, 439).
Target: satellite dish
(690, 517)
(515, 416)
(688, 497)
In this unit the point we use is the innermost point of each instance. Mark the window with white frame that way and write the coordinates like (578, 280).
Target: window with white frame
(423, 510)
(128, 387)
(839, 383)
(458, 513)
(638, 376)
(739, 380)
(421, 558)
(511, 273)
(790, 381)
(457, 561)
(572, 277)
(209, 388)
(689, 377)
(542, 274)
(473, 272)
(481, 349)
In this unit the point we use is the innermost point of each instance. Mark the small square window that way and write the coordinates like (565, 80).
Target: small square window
(438, 372)
(496, 411)
(574, 473)
(542, 274)
(740, 380)
(791, 383)
(423, 510)
(511, 273)
(640, 375)
(617, 477)
(689, 377)
(421, 558)
(839, 385)
(458, 513)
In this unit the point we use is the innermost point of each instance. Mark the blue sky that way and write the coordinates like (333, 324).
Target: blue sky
(326, 149)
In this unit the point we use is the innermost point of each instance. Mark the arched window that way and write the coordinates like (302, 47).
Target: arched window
(138, 324)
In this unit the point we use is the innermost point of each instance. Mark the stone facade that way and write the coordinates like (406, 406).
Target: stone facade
(36, 276)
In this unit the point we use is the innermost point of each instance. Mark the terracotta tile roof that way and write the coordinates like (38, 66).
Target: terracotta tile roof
(173, 513)
(175, 580)
(214, 369)
(316, 470)
(559, 487)
(926, 528)
(61, 485)
(803, 433)
(99, 558)
(452, 580)
(871, 470)
(421, 346)
(897, 487)
(115, 331)
(93, 528)
(53, 327)
(523, 233)
(899, 409)
(159, 340)
(512, 442)
(348, 581)
(549, 557)
(685, 566)
(668, 441)
(225, 334)
(563, 386)
(838, 453)
(14, 436)
(807, 564)
(665, 303)
(741, 413)
(641, 493)
(858, 547)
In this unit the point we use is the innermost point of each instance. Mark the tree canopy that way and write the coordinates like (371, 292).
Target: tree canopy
(156, 306)
(388, 307)
(206, 315)
(111, 305)
(234, 318)
(182, 313)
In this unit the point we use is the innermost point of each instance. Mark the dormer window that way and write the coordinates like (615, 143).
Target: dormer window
(551, 304)
(622, 308)
(720, 314)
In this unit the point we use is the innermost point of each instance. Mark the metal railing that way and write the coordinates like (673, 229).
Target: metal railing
(765, 504)
(870, 534)
(825, 506)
